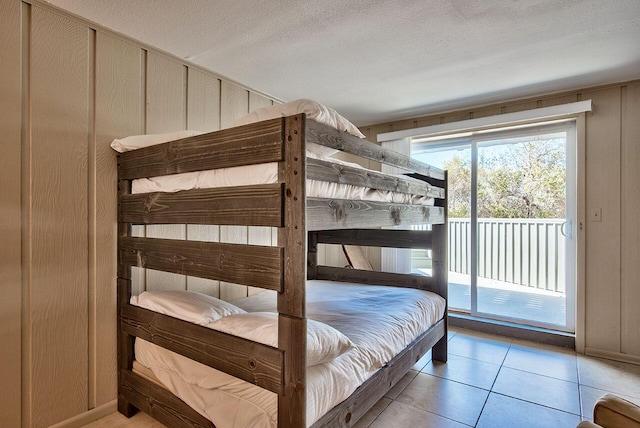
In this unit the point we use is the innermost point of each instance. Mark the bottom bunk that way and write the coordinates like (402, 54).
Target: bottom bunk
(368, 337)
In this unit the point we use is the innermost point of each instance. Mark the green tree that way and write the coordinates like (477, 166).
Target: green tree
(525, 180)
(459, 170)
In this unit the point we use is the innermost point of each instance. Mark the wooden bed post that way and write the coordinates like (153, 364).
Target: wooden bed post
(292, 323)
(312, 255)
(440, 262)
(125, 341)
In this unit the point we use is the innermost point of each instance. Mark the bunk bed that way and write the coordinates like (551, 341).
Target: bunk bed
(303, 222)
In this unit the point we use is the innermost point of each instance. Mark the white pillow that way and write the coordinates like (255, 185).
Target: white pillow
(324, 343)
(314, 110)
(139, 141)
(186, 305)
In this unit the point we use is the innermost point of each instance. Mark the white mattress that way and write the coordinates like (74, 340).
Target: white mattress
(380, 321)
(267, 173)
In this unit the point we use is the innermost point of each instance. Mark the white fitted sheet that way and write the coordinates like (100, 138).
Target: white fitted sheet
(380, 321)
(267, 173)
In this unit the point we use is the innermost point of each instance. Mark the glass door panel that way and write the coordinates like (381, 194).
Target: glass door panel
(456, 159)
(511, 214)
(521, 209)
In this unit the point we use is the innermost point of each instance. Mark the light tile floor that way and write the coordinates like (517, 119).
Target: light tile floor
(489, 382)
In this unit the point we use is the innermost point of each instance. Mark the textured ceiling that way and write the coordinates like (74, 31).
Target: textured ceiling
(379, 60)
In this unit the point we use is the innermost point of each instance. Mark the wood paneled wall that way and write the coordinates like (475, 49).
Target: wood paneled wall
(611, 285)
(67, 89)
(10, 213)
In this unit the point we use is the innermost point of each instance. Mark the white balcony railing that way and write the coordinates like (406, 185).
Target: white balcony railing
(527, 252)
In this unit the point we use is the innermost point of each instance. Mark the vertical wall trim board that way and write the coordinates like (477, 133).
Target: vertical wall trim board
(141, 274)
(144, 90)
(581, 233)
(27, 348)
(91, 220)
(185, 91)
(622, 243)
(220, 102)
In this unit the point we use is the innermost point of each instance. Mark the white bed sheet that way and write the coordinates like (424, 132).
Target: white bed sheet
(380, 321)
(267, 173)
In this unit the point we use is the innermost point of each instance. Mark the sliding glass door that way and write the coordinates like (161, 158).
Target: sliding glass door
(511, 215)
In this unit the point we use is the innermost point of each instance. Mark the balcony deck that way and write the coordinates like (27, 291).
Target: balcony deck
(507, 300)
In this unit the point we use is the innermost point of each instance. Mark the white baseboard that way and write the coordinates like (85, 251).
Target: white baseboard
(618, 356)
(88, 416)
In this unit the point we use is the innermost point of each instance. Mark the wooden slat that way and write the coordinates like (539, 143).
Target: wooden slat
(369, 277)
(330, 137)
(336, 173)
(159, 403)
(244, 205)
(58, 301)
(341, 213)
(118, 113)
(256, 143)
(418, 239)
(255, 265)
(10, 213)
(348, 412)
(250, 361)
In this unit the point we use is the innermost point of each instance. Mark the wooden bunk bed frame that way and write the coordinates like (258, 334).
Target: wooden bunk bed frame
(302, 224)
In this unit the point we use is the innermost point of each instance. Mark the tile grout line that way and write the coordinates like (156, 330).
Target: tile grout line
(493, 384)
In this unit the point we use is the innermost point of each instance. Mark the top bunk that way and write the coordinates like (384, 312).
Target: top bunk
(288, 148)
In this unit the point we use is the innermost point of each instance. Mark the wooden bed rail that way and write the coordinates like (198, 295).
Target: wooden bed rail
(421, 239)
(368, 394)
(255, 143)
(251, 361)
(330, 137)
(324, 214)
(337, 173)
(255, 265)
(259, 205)
(369, 277)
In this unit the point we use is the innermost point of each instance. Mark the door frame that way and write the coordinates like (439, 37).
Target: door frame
(571, 215)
